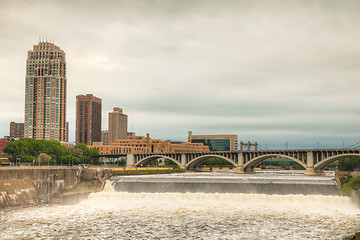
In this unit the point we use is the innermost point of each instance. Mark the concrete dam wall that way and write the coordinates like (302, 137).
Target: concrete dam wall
(28, 186)
(262, 183)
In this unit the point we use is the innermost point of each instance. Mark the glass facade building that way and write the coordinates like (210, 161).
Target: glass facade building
(215, 144)
(222, 142)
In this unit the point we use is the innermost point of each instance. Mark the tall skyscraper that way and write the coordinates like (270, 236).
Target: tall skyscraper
(45, 93)
(117, 125)
(88, 119)
(16, 130)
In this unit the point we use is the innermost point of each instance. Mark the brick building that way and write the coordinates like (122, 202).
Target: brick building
(117, 125)
(141, 144)
(88, 119)
(105, 137)
(16, 130)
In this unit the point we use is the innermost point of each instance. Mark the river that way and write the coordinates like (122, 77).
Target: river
(171, 215)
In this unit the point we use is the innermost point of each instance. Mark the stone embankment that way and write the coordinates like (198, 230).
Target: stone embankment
(340, 174)
(28, 186)
(33, 185)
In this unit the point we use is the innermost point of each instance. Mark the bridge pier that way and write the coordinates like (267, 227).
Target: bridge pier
(130, 160)
(183, 161)
(310, 171)
(241, 170)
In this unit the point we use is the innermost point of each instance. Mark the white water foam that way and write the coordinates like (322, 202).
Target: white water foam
(121, 215)
(223, 203)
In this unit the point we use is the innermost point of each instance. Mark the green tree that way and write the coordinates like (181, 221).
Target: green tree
(83, 147)
(43, 158)
(26, 150)
(169, 162)
(93, 155)
(216, 162)
(351, 187)
(77, 153)
(349, 163)
(28, 159)
(88, 156)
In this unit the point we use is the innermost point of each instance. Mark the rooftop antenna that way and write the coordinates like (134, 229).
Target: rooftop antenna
(39, 38)
(46, 38)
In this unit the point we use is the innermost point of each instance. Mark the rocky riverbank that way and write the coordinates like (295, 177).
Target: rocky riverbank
(350, 186)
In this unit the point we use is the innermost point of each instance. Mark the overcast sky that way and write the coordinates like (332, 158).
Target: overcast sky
(269, 71)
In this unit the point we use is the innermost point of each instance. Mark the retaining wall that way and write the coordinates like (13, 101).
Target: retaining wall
(24, 186)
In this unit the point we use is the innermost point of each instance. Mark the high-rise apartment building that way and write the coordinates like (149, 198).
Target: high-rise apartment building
(16, 130)
(45, 93)
(117, 125)
(88, 119)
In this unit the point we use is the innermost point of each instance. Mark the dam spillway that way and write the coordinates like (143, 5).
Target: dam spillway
(111, 214)
(264, 182)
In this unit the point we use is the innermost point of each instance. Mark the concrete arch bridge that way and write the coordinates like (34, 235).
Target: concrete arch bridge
(313, 160)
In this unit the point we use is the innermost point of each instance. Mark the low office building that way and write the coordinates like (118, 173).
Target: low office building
(16, 130)
(105, 137)
(225, 142)
(141, 144)
(177, 146)
(68, 145)
(131, 134)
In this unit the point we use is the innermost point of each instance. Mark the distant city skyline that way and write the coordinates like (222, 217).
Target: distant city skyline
(274, 72)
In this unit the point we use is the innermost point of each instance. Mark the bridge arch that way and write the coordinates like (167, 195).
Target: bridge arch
(196, 161)
(153, 157)
(323, 163)
(253, 162)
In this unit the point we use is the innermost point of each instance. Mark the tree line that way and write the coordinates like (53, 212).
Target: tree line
(349, 164)
(50, 152)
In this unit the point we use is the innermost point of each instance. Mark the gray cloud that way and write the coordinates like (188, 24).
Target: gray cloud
(266, 70)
